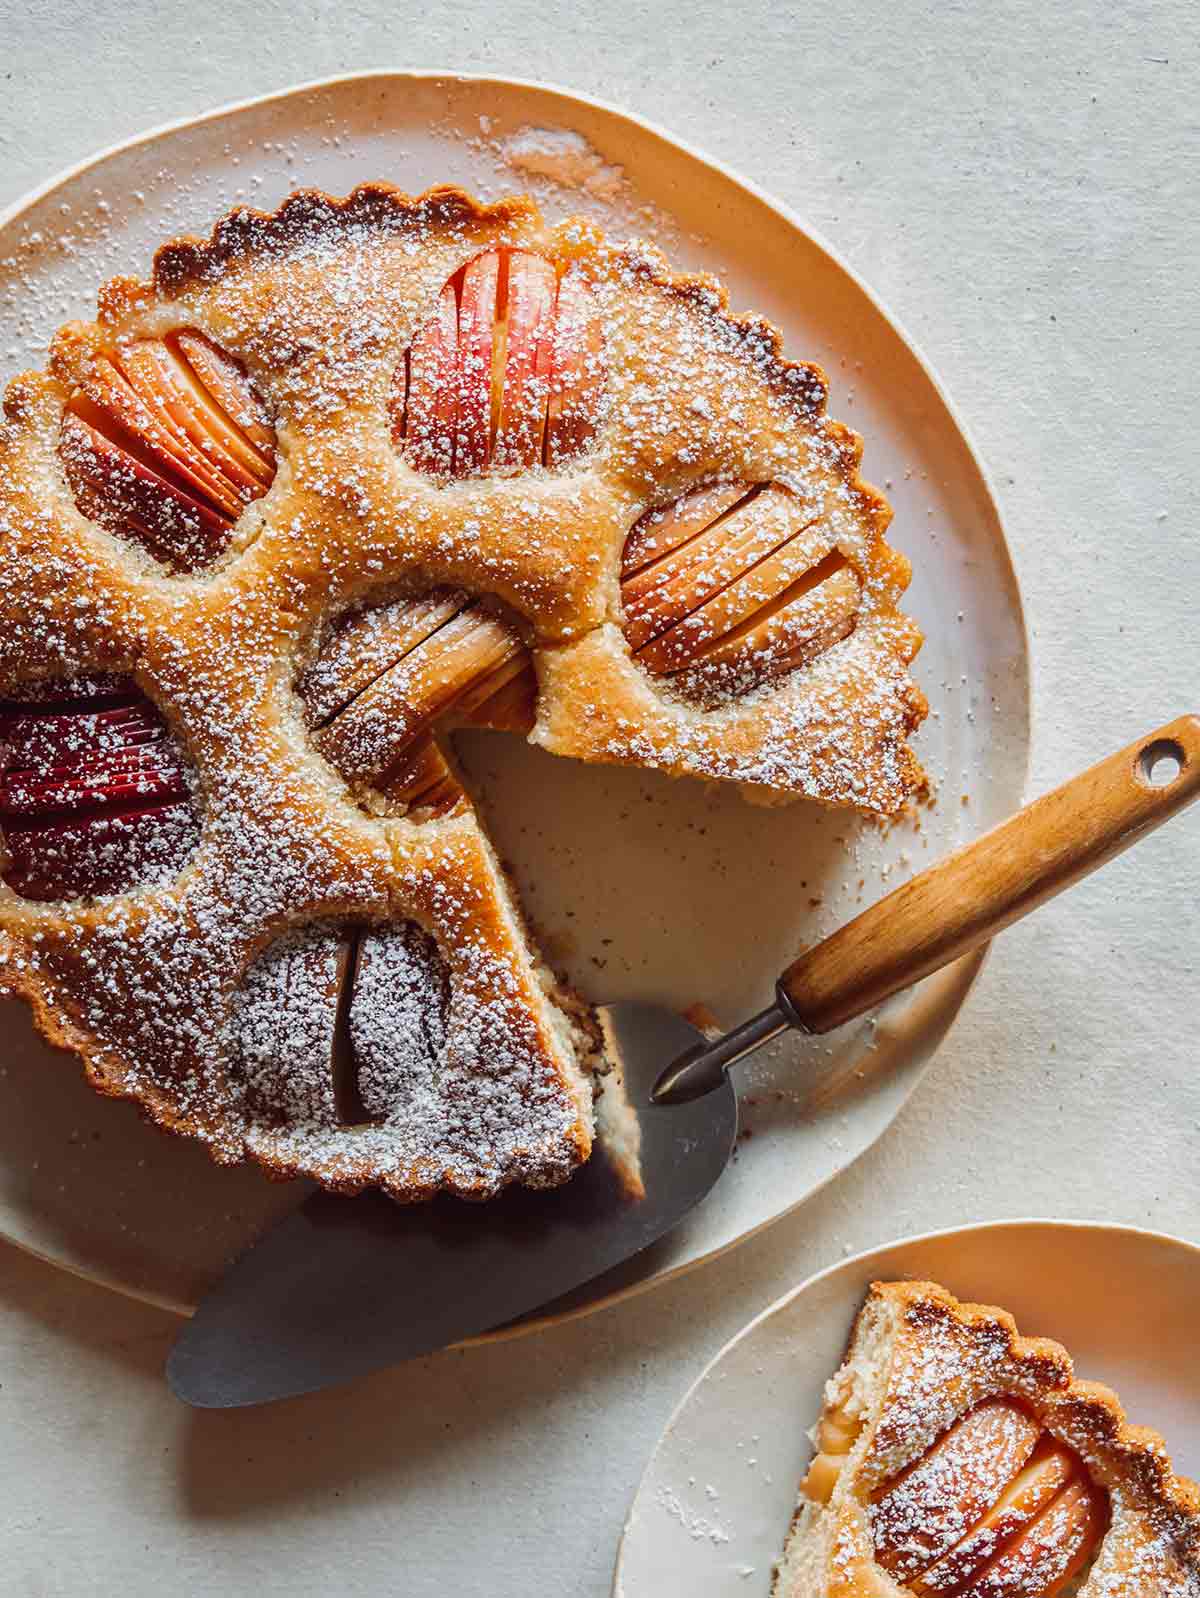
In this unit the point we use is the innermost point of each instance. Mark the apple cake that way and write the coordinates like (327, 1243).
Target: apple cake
(956, 1457)
(334, 481)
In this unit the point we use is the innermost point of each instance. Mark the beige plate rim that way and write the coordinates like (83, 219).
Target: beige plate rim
(944, 992)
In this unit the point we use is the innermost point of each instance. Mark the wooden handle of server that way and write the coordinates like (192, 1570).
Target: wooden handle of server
(959, 904)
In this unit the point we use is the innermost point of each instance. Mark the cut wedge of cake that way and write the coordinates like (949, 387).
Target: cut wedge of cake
(956, 1457)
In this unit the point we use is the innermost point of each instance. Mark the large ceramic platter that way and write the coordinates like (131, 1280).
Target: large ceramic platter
(641, 886)
(713, 1508)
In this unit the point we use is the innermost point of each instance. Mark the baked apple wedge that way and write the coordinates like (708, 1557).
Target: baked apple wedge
(507, 374)
(94, 798)
(165, 442)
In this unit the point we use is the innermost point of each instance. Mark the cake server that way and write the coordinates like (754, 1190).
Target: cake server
(344, 1286)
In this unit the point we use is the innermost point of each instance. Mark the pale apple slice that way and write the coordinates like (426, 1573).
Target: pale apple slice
(476, 342)
(421, 782)
(790, 633)
(429, 420)
(367, 738)
(505, 699)
(1046, 1556)
(662, 594)
(660, 531)
(577, 371)
(366, 643)
(230, 388)
(798, 561)
(532, 284)
(1051, 1467)
(919, 1516)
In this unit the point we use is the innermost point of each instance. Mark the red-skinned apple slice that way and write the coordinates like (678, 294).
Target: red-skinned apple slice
(1050, 1552)
(429, 418)
(107, 852)
(163, 448)
(124, 493)
(167, 384)
(576, 371)
(475, 423)
(91, 801)
(528, 329)
(153, 452)
(919, 1516)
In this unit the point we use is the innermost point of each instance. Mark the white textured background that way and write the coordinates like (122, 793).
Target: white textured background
(1019, 183)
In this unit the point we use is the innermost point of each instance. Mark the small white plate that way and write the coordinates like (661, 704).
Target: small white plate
(642, 887)
(713, 1508)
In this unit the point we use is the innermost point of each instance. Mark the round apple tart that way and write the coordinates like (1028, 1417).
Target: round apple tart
(331, 483)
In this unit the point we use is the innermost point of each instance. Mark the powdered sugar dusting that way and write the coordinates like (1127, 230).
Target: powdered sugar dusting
(566, 158)
(319, 303)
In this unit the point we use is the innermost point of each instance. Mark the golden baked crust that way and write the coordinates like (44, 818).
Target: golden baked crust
(319, 303)
(918, 1361)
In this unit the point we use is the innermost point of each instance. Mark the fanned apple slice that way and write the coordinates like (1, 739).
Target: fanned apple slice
(115, 488)
(106, 853)
(919, 1516)
(507, 374)
(791, 632)
(369, 735)
(1051, 1467)
(427, 420)
(504, 697)
(525, 383)
(671, 588)
(366, 643)
(421, 780)
(165, 449)
(163, 380)
(1048, 1553)
(477, 312)
(794, 562)
(660, 531)
(165, 452)
(226, 382)
(92, 801)
(577, 371)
